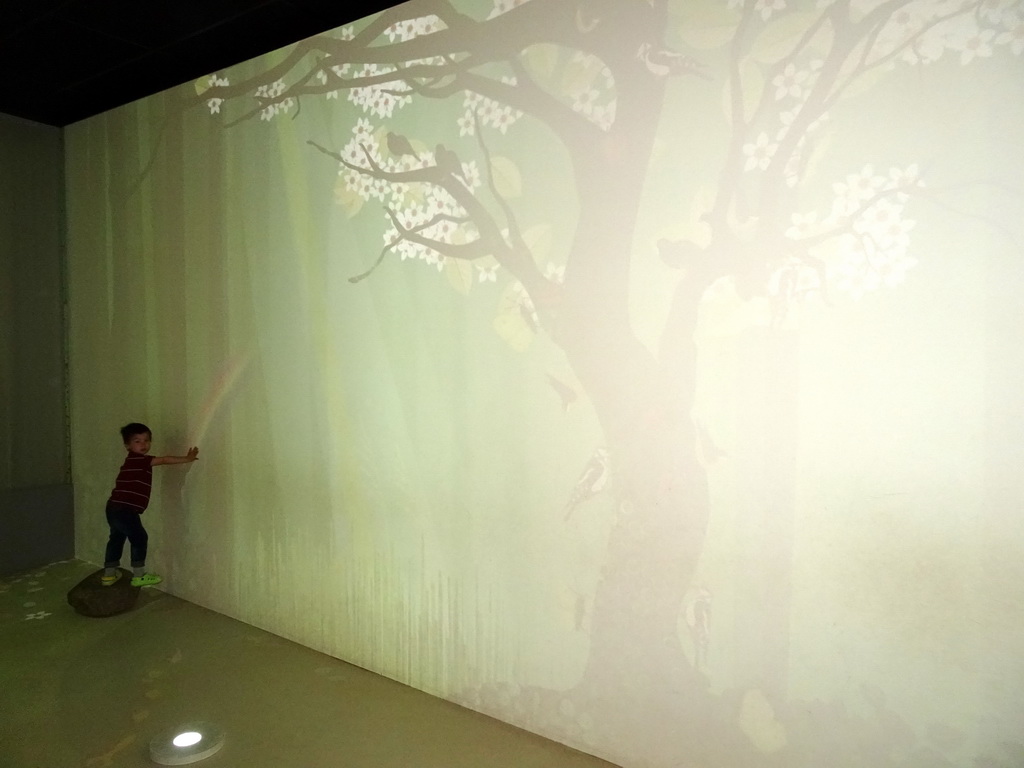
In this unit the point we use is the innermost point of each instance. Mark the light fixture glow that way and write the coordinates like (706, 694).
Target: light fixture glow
(188, 743)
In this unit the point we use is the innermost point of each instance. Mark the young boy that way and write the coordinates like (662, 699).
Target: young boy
(129, 500)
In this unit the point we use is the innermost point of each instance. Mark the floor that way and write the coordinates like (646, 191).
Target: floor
(78, 692)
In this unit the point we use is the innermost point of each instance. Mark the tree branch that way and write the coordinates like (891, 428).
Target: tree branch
(909, 42)
(490, 242)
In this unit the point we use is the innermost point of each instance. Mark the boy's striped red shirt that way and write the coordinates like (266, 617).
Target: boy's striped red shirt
(134, 481)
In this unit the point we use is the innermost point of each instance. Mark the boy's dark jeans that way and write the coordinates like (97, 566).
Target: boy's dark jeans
(125, 523)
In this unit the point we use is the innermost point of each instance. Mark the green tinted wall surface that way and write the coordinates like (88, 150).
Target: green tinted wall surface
(641, 374)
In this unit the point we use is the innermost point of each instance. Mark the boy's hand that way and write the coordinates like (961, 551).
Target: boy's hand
(188, 458)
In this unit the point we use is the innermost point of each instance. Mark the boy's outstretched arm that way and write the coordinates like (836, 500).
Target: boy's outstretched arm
(192, 455)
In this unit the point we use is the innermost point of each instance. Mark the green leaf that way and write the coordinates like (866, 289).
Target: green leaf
(706, 26)
(460, 274)
(581, 73)
(511, 322)
(541, 60)
(348, 199)
(777, 39)
(507, 179)
(538, 240)
(514, 331)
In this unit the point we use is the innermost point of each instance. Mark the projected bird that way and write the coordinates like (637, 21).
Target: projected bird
(529, 313)
(592, 480)
(448, 162)
(399, 145)
(565, 392)
(662, 62)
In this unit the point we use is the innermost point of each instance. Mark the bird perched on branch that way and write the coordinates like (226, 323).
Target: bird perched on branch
(398, 145)
(592, 480)
(448, 162)
(566, 393)
(663, 62)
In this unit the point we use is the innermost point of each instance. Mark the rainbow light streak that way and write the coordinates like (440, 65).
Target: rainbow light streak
(224, 390)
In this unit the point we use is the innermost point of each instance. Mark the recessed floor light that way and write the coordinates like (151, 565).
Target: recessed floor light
(188, 743)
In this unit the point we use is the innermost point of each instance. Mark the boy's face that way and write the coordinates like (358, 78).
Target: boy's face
(138, 443)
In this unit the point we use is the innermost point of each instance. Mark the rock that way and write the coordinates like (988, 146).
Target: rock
(90, 598)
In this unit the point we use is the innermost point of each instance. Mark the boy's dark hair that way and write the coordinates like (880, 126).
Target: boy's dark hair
(128, 431)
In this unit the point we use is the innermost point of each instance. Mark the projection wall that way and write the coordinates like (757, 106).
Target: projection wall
(643, 374)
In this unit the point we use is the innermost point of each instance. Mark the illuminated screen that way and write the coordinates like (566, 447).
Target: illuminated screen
(643, 374)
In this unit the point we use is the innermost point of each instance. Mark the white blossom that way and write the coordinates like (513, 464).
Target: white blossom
(768, 7)
(759, 152)
(504, 6)
(410, 28)
(790, 82)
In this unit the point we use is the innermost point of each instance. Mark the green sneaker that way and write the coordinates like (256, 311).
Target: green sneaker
(106, 581)
(146, 580)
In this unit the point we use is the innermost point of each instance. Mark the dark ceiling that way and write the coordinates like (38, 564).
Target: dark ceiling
(65, 60)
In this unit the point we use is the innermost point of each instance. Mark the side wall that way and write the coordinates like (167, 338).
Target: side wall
(36, 524)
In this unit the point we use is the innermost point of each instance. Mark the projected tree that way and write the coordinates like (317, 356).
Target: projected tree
(590, 78)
